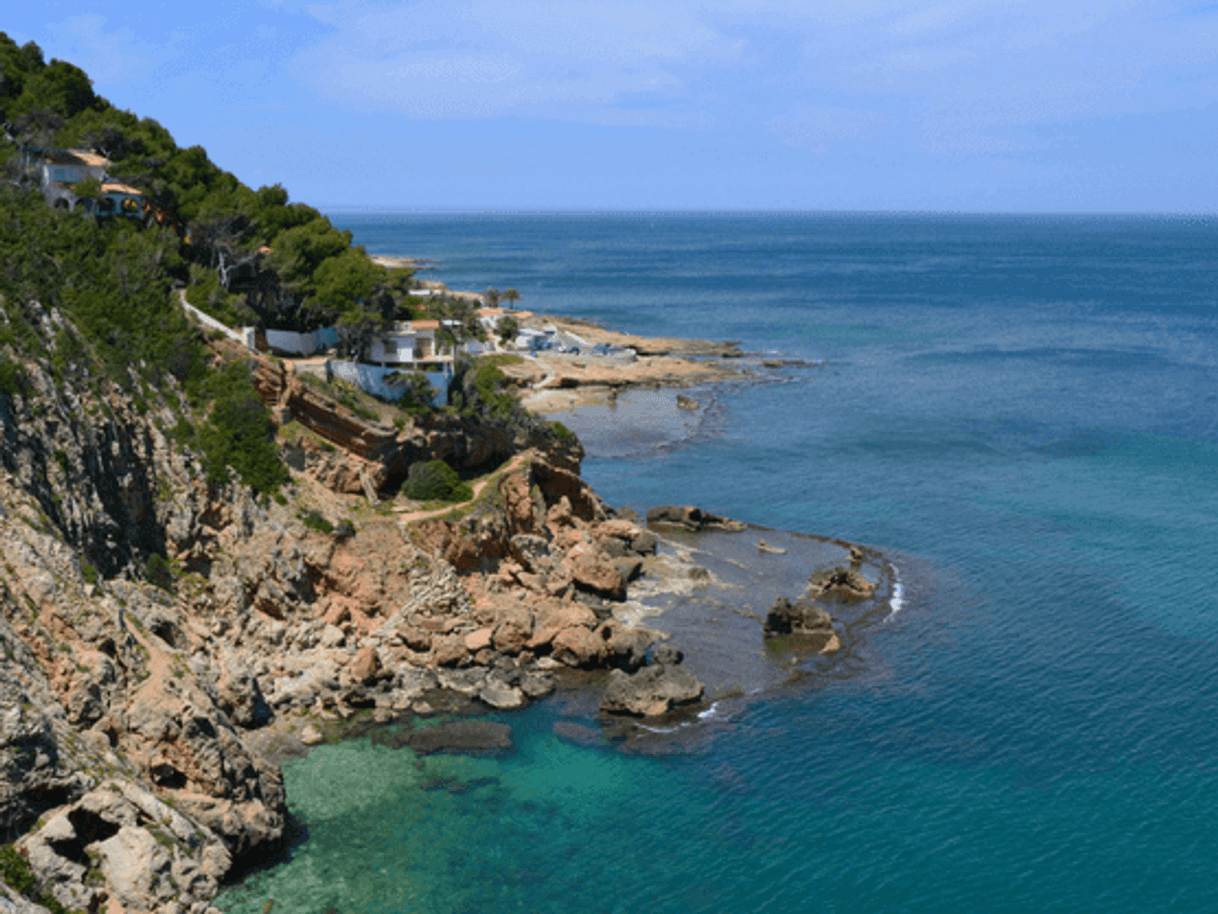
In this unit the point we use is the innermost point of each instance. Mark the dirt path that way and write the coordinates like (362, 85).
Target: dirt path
(409, 517)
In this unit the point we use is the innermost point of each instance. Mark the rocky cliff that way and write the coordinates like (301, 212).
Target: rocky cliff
(162, 635)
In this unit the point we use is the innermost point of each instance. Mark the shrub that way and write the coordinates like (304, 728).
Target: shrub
(239, 432)
(314, 521)
(14, 869)
(159, 572)
(88, 571)
(561, 432)
(10, 377)
(435, 481)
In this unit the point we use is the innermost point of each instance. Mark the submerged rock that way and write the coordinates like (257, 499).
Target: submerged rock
(462, 736)
(579, 735)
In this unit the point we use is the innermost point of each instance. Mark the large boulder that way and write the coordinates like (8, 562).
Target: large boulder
(652, 690)
(625, 648)
(839, 583)
(645, 543)
(513, 627)
(798, 618)
(597, 572)
(577, 646)
(555, 617)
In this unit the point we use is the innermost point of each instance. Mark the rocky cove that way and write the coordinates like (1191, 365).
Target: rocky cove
(144, 725)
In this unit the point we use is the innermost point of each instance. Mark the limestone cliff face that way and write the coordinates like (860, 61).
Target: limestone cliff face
(138, 724)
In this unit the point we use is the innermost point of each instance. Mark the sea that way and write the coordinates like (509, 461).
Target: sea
(1020, 414)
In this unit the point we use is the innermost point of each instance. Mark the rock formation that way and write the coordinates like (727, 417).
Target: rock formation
(809, 625)
(687, 517)
(653, 690)
(138, 723)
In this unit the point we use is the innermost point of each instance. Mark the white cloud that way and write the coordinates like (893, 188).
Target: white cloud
(966, 68)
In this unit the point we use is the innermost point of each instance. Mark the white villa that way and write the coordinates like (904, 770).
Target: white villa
(61, 169)
(410, 346)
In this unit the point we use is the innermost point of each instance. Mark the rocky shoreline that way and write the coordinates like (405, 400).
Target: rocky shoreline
(144, 724)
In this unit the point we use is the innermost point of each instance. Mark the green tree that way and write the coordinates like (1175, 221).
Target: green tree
(508, 328)
(346, 280)
(435, 480)
(418, 395)
(357, 328)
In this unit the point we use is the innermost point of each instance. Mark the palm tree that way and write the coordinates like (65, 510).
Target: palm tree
(511, 296)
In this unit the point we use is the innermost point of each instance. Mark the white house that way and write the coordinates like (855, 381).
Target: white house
(411, 345)
(61, 169)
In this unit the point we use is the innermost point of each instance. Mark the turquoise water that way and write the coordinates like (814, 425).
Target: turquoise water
(1022, 414)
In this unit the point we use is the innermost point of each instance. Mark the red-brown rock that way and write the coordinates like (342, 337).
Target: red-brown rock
(577, 646)
(478, 640)
(553, 618)
(366, 664)
(597, 572)
(448, 650)
(515, 626)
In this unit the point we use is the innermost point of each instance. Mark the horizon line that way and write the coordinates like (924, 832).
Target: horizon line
(349, 210)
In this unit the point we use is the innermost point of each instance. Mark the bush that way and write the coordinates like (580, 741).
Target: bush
(10, 377)
(435, 481)
(561, 432)
(159, 572)
(14, 869)
(314, 521)
(239, 432)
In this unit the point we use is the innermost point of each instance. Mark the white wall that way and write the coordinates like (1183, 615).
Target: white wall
(288, 341)
(395, 348)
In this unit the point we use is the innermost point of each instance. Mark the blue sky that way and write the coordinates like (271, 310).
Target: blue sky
(963, 105)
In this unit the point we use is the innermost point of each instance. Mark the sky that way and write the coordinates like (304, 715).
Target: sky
(1005, 106)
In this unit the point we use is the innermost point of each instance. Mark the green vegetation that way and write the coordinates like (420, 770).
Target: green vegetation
(88, 571)
(435, 481)
(480, 392)
(159, 571)
(315, 521)
(14, 869)
(239, 432)
(561, 432)
(11, 378)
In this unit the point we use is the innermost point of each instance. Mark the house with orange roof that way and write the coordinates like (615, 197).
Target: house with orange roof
(61, 170)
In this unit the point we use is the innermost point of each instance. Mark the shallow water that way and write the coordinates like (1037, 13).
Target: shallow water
(1021, 415)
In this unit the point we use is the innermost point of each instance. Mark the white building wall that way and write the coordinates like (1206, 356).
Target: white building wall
(395, 348)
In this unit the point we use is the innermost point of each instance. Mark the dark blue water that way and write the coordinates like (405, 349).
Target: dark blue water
(1022, 414)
